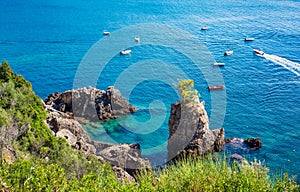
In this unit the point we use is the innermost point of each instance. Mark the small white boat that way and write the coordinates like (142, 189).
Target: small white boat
(137, 39)
(125, 52)
(106, 33)
(258, 52)
(249, 39)
(218, 64)
(204, 28)
(227, 53)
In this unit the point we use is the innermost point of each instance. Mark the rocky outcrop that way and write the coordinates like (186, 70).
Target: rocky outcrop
(253, 143)
(90, 103)
(242, 146)
(189, 132)
(122, 175)
(126, 156)
(64, 125)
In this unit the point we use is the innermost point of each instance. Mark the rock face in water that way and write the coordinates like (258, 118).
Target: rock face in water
(91, 103)
(189, 132)
(253, 143)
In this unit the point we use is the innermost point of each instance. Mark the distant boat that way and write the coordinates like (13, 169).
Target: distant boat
(137, 39)
(125, 52)
(215, 87)
(204, 28)
(249, 39)
(218, 64)
(106, 33)
(258, 52)
(227, 53)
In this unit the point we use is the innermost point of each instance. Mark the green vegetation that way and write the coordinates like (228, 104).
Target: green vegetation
(32, 159)
(186, 90)
(209, 174)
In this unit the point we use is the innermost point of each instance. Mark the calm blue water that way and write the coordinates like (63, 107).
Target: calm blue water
(46, 41)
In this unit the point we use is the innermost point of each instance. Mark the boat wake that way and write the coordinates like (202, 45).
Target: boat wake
(290, 65)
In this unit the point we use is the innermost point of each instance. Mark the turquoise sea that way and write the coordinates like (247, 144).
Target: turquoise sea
(47, 41)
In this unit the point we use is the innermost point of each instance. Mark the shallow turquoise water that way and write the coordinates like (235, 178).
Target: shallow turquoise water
(46, 41)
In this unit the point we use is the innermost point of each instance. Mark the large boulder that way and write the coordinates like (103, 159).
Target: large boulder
(91, 103)
(126, 156)
(189, 132)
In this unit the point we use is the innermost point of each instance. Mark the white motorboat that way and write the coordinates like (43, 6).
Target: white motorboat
(106, 33)
(258, 52)
(227, 53)
(204, 27)
(218, 64)
(125, 52)
(249, 39)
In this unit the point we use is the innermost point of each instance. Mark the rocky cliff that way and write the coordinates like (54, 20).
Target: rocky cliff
(189, 132)
(94, 104)
(90, 103)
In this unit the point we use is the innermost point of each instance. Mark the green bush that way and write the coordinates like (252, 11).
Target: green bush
(186, 90)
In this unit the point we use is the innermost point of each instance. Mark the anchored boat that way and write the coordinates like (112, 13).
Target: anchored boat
(204, 28)
(227, 53)
(218, 64)
(137, 39)
(125, 52)
(249, 39)
(215, 87)
(106, 33)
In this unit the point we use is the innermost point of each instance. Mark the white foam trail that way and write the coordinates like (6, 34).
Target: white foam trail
(290, 65)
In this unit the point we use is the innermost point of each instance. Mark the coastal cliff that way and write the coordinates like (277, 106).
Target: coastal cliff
(63, 123)
(189, 132)
(91, 103)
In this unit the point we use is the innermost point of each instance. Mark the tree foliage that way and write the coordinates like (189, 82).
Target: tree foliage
(186, 91)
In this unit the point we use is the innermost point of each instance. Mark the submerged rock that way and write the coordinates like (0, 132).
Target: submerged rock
(189, 132)
(237, 157)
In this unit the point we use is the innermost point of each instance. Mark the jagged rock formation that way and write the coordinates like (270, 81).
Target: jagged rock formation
(64, 125)
(91, 103)
(126, 156)
(189, 132)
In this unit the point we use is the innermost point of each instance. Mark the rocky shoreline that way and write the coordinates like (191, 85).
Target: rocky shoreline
(189, 132)
(91, 103)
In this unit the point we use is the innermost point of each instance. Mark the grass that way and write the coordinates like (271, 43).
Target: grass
(208, 174)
